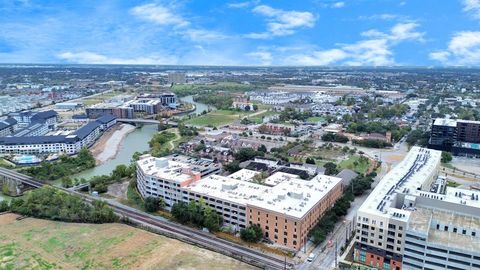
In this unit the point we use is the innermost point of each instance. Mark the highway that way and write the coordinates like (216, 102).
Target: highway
(194, 236)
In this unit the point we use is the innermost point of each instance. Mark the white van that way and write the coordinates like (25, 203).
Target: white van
(311, 257)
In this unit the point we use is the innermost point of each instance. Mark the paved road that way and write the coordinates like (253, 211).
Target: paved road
(325, 253)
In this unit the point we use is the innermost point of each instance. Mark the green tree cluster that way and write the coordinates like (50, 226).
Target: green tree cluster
(334, 137)
(446, 157)
(330, 168)
(252, 233)
(50, 203)
(247, 153)
(154, 204)
(100, 183)
(197, 214)
(64, 167)
(158, 143)
(372, 143)
(222, 101)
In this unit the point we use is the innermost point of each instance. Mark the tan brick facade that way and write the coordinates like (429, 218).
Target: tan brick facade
(289, 231)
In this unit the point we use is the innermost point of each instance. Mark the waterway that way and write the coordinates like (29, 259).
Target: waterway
(199, 107)
(133, 142)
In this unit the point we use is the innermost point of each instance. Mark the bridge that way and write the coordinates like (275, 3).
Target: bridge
(141, 121)
(168, 228)
(17, 183)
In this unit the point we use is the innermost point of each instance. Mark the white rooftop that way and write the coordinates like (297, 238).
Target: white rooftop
(419, 166)
(279, 177)
(226, 188)
(295, 197)
(165, 169)
(445, 122)
(244, 175)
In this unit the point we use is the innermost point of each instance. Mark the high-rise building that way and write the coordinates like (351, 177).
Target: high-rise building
(461, 137)
(412, 220)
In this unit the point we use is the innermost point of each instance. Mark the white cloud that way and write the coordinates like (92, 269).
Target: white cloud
(281, 22)
(463, 49)
(376, 50)
(202, 35)
(87, 57)
(318, 58)
(383, 16)
(242, 4)
(159, 14)
(472, 7)
(261, 57)
(338, 5)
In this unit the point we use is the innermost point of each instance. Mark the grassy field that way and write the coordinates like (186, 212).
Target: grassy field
(360, 167)
(41, 244)
(216, 118)
(101, 98)
(315, 119)
(258, 119)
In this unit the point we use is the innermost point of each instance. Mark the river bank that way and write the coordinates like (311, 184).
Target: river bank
(135, 141)
(108, 146)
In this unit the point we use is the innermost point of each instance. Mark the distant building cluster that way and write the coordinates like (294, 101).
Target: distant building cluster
(129, 106)
(285, 206)
(413, 220)
(33, 139)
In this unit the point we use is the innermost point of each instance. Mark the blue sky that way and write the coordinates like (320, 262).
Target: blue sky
(211, 32)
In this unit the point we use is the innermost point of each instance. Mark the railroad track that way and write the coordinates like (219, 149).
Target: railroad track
(191, 235)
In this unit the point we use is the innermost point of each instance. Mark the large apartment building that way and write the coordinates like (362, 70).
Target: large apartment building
(412, 220)
(285, 206)
(461, 137)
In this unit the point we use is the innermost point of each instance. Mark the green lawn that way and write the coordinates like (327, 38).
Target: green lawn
(315, 119)
(217, 118)
(452, 184)
(258, 119)
(360, 167)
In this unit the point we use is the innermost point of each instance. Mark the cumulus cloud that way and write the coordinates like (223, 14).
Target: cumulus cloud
(242, 4)
(159, 14)
(463, 49)
(376, 50)
(262, 58)
(338, 5)
(281, 22)
(87, 57)
(472, 7)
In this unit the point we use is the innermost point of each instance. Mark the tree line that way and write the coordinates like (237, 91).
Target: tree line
(197, 214)
(64, 167)
(51, 203)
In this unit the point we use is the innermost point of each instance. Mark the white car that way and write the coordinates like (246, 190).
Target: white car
(311, 257)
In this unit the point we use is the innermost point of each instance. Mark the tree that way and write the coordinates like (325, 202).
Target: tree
(330, 168)
(212, 220)
(153, 204)
(232, 166)
(67, 182)
(310, 160)
(262, 148)
(252, 233)
(4, 206)
(446, 157)
(247, 153)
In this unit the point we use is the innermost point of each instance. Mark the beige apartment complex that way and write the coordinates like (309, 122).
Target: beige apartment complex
(285, 206)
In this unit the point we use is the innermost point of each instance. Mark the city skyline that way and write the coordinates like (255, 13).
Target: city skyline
(278, 33)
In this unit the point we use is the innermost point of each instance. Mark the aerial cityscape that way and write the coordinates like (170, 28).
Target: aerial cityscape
(240, 135)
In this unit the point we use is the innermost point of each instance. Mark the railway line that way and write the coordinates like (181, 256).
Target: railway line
(197, 237)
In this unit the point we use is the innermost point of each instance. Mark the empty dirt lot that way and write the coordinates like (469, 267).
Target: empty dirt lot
(41, 244)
